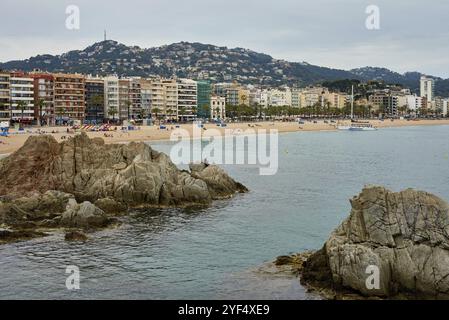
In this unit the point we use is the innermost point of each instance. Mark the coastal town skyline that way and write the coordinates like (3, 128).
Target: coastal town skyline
(293, 30)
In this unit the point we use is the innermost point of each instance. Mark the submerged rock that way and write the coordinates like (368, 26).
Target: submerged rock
(402, 235)
(75, 236)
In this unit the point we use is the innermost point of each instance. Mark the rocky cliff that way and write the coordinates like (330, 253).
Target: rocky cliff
(401, 237)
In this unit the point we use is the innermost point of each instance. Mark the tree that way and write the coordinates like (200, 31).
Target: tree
(128, 107)
(112, 112)
(22, 105)
(40, 105)
(194, 110)
(182, 112)
(156, 112)
(97, 101)
(204, 109)
(217, 110)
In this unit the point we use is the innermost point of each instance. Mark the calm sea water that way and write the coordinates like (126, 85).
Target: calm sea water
(213, 253)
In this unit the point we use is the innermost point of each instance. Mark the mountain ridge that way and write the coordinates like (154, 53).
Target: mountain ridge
(206, 61)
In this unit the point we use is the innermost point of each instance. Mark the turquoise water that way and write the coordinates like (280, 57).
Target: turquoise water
(212, 253)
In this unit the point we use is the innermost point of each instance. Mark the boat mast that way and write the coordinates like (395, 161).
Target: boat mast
(352, 102)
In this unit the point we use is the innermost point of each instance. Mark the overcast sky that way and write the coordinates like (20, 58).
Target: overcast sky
(413, 35)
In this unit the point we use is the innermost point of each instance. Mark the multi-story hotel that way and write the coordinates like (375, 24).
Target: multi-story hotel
(145, 93)
(187, 99)
(427, 86)
(94, 100)
(135, 97)
(21, 97)
(69, 92)
(44, 110)
(203, 98)
(5, 111)
(386, 101)
(171, 98)
(125, 104)
(111, 97)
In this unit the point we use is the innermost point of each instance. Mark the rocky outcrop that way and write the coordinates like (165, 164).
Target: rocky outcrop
(401, 236)
(81, 182)
(53, 209)
(131, 174)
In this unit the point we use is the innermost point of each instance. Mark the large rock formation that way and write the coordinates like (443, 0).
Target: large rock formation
(403, 235)
(80, 182)
(132, 174)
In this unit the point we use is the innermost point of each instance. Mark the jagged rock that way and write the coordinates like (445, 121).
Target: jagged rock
(219, 184)
(131, 174)
(110, 206)
(75, 236)
(84, 215)
(404, 234)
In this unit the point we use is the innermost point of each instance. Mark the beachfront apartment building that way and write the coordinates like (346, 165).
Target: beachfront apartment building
(21, 97)
(280, 97)
(386, 102)
(111, 97)
(204, 91)
(312, 96)
(427, 88)
(217, 107)
(157, 97)
(5, 111)
(69, 96)
(94, 94)
(171, 92)
(135, 97)
(125, 103)
(296, 97)
(44, 109)
(187, 104)
(335, 99)
(145, 97)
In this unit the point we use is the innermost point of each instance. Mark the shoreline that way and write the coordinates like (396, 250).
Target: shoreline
(147, 134)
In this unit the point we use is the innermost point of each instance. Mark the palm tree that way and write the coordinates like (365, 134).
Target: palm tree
(128, 106)
(22, 105)
(156, 112)
(194, 110)
(40, 105)
(112, 112)
(182, 111)
(97, 101)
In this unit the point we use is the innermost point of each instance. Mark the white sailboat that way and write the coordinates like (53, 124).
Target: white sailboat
(356, 126)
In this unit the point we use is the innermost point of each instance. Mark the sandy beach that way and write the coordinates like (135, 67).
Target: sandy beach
(14, 141)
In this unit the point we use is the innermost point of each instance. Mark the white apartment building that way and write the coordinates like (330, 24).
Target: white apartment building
(187, 99)
(296, 97)
(412, 102)
(280, 97)
(427, 88)
(111, 97)
(22, 90)
(218, 107)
